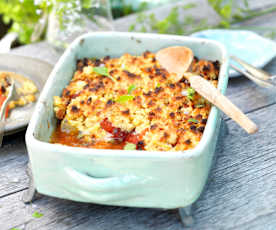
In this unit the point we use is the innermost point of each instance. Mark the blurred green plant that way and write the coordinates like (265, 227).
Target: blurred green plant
(230, 12)
(171, 24)
(26, 15)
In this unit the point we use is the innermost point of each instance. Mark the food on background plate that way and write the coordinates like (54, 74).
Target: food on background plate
(131, 102)
(26, 92)
(4, 91)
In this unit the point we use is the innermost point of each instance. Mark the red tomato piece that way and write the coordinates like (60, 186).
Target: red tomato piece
(107, 125)
(132, 138)
(2, 99)
(7, 111)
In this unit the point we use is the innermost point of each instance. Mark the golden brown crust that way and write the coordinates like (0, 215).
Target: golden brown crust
(163, 114)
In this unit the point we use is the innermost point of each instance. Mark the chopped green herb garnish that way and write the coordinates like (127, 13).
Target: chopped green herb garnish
(37, 214)
(158, 85)
(130, 146)
(199, 106)
(125, 98)
(191, 93)
(103, 71)
(130, 89)
(193, 120)
(15, 229)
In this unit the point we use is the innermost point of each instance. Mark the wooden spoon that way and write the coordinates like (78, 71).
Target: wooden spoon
(177, 60)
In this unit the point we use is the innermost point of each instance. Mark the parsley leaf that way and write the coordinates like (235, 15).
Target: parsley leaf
(191, 93)
(125, 98)
(130, 146)
(37, 214)
(199, 105)
(193, 120)
(130, 89)
(103, 71)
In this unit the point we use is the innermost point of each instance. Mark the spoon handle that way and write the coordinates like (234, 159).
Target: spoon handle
(212, 94)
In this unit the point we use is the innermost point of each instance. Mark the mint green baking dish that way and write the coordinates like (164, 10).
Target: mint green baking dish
(121, 177)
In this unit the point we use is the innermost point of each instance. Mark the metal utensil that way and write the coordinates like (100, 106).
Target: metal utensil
(11, 95)
(256, 75)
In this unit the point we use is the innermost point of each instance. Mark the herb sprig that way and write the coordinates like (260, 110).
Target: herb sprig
(37, 214)
(191, 93)
(125, 98)
(192, 120)
(130, 146)
(131, 89)
(103, 71)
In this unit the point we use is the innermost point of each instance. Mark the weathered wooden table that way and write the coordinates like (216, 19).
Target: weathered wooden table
(241, 193)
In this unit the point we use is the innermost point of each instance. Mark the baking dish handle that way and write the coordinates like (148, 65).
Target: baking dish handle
(108, 189)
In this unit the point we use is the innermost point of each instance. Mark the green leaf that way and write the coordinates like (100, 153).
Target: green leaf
(199, 106)
(226, 11)
(103, 71)
(192, 120)
(131, 27)
(129, 146)
(191, 93)
(143, 29)
(245, 2)
(15, 229)
(86, 4)
(37, 214)
(125, 98)
(224, 24)
(130, 89)
(143, 6)
(189, 6)
(6, 19)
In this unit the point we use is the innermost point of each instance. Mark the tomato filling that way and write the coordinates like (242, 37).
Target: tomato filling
(122, 136)
(2, 99)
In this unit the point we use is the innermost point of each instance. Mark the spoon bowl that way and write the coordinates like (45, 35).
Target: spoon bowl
(175, 59)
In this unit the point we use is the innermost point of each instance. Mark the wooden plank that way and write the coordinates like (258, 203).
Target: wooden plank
(62, 214)
(241, 193)
(13, 160)
(242, 189)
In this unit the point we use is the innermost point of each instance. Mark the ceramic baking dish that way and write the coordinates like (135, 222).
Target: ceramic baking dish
(120, 177)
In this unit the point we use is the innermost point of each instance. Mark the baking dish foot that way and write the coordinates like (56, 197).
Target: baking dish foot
(30, 194)
(186, 216)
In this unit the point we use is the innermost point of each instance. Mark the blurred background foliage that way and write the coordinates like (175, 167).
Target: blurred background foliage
(26, 17)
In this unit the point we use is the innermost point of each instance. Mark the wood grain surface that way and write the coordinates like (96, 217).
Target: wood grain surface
(241, 193)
